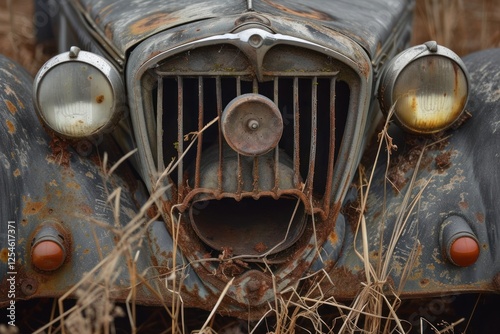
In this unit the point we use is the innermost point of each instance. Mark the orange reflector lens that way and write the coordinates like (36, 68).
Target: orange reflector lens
(47, 255)
(464, 251)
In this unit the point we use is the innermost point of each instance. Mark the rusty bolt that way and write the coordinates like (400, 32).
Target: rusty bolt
(253, 124)
(253, 285)
(29, 286)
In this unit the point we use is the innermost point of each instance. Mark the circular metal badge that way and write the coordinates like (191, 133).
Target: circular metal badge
(252, 124)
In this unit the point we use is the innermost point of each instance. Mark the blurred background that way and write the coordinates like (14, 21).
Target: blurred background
(462, 25)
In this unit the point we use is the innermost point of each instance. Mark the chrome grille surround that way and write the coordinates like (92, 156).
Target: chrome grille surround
(256, 69)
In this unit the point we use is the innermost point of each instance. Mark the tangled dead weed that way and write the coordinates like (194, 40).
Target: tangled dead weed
(374, 310)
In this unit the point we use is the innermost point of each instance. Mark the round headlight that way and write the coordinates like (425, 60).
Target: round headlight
(78, 94)
(427, 85)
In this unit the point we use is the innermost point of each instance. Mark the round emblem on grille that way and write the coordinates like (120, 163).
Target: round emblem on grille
(252, 124)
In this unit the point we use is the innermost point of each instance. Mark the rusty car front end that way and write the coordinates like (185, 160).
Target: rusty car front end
(250, 120)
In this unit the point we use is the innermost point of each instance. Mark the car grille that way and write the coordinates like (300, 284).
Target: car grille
(190, 90)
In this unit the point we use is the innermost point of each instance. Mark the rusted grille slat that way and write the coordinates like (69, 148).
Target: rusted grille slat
(296, 134)
(238, 86)
(218, 87)
(331, 150)
(240, 167)
(180, 135)
(276, 150)
(314, 134)
(199, 146)
(159, 125)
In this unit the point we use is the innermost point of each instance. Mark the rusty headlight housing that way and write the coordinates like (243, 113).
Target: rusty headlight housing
(428, 85)
(78, 94)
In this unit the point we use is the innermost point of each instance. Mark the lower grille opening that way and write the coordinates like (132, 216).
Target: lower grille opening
(250, 227)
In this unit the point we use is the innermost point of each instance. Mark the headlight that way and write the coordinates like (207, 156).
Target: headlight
(78, 94)
(428, 86)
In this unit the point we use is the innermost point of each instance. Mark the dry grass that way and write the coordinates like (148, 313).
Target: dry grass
(17, 39)
(372, 311)
(461, 25)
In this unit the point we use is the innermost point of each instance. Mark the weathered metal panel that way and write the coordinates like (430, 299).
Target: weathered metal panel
(458, 178)
(43, 179)
(125, 23)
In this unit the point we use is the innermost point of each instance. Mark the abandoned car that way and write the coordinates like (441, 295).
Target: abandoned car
(272, 147)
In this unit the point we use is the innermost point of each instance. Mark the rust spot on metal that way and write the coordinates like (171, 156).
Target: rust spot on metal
(461, 120)
(151, 23)
(260, 247)
(73, 185)
(152, 211)
(424, 282)
(32, 208)
(311, 14)
(347, 282)
(333, 238)
(352, 212)
(480, 217)
(443, 161)
(10, 126)
(60, 154)
(12, 108)
(4, 255)
(409, 159)
(464, 205)
(17, 172)
(99, 99)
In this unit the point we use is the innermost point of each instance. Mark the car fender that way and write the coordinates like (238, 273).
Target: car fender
(453, 178)
(44, 182)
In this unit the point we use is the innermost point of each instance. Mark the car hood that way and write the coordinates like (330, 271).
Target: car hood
(125, 23)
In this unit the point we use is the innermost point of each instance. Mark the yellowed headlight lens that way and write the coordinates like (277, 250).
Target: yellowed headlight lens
(430, 94)
(79, 94)
(76, 99)
(425, 88)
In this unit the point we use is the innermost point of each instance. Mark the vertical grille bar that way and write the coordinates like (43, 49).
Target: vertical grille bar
(276, 150)
(180, 136)
(331, 150)
(159, 125)
(199, 146)
(238, 86)
(314, 134)
(218, 90)
(296, 132)
(255, 90)
(240, 167)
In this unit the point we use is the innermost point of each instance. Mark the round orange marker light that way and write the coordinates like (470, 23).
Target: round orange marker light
(464, 251)
(47, 255)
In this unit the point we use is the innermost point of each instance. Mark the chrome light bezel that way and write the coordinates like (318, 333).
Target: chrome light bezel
(395, 68)
(104, 67)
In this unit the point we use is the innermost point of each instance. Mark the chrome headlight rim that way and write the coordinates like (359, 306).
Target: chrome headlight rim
(98, 63)
(402, 61)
